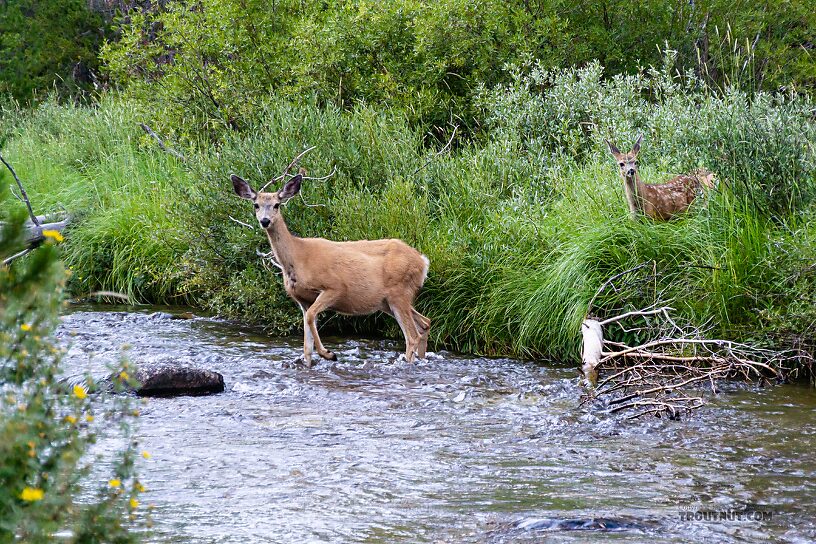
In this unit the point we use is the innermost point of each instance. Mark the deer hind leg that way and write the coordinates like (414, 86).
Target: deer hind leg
(423, 325)
(402, 312)
(323, 301)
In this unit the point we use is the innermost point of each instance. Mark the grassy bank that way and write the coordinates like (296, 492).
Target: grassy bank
(522, 227)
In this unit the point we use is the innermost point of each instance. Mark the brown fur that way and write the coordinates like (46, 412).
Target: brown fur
(353, 278)
(658, 201)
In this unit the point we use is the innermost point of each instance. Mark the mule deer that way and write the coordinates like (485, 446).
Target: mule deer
(659, 201)
(352, 278)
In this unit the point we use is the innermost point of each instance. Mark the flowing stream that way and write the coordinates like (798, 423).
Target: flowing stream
(456, 448)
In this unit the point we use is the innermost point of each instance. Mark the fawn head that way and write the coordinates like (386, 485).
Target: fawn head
(626, 161)
(267, 205)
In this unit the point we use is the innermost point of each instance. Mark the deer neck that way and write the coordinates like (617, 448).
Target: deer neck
(633, 188)
(282, 242)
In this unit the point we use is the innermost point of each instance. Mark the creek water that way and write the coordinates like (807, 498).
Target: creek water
(455, 448)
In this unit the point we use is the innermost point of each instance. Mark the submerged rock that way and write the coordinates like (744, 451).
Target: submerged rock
(172, 377)
(581, 524)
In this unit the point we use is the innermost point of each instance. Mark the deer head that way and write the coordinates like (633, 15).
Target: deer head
(626, 161)
(267, 205)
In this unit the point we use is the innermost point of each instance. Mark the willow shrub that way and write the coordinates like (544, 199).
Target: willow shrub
(48, 481)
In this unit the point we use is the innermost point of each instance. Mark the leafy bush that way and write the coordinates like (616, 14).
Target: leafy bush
(762, 145)
(49, 45)
(208, 67)
(47, 425)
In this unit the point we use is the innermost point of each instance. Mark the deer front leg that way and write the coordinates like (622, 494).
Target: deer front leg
(423, 325)
(308, 339)
(403, 314)
(324, 300)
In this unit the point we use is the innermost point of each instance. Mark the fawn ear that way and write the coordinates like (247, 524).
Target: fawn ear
(242, 188)
(636, 149)
(291, 188)
(615, 151)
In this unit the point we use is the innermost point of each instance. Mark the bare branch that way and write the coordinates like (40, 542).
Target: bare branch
(164, 147)
(247, 225)
(333, 172)
(17, 255)
(613, 278)
(617, 318)
(22, 191)
(444, 149)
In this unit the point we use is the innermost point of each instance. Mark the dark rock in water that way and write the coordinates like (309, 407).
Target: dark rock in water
(586, 524)
(169, 380)
(175, 376)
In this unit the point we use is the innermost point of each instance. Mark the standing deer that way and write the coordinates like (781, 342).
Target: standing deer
(352, 278)
(659, 201)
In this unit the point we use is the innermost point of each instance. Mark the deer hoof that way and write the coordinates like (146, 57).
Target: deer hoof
(301, 361)
(330, 355)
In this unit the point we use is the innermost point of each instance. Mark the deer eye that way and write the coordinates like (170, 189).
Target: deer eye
(276, 206)
(257, 207)
(622, 165)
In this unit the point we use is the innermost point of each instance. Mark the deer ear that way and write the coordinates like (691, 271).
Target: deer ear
(291, 188)
(636, 149)
(615, 151)
(242, 188)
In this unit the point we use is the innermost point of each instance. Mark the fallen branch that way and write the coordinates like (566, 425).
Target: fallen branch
(22, 191)
(657, 377)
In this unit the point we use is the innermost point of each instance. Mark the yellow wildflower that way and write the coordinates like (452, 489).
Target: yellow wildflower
(53, 234)
(71, 419)
(115, 483)
(31, 494)
(138, 486)
(134, 504)
(124, 375)
(26, 327)
(146, 454)
(89, 418)
(80, 392)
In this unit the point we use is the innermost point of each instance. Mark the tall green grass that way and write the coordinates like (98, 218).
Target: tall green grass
(94, 164)
(521, 227)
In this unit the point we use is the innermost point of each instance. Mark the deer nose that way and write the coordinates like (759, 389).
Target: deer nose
(265, 222)
(630, 172)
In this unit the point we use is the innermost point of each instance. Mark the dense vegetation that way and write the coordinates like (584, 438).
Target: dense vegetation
(521, 229)
(210, 66)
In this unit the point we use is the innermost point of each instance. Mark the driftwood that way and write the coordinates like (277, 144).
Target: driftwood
(664, 375)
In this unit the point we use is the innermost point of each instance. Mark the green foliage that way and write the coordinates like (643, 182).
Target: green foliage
(761, 144)
(209, 67)
(522, 226)
(121, 237)
(48, 45)
(46, 425)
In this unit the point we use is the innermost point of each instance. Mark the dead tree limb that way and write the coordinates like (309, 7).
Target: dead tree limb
(664, 375)
(164, 147)
(22, 191)
(291, 165)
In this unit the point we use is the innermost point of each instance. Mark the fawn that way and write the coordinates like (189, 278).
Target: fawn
(658, 201)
